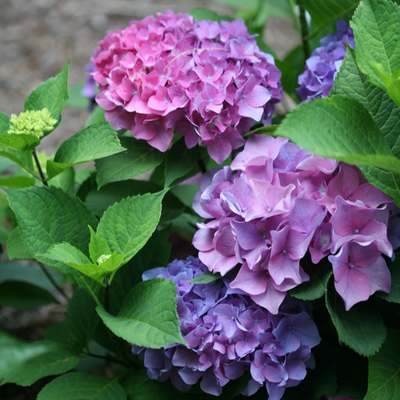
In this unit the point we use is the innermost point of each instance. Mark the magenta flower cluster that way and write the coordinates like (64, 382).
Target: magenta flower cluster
(324, 63)
(206, 80)
(277, 201)
(228, 334)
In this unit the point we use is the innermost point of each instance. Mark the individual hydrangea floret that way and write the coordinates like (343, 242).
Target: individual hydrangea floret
(32, 123)
(275, 203)
(103, 258)
(228, 334)
(206, 80)
(324, 63)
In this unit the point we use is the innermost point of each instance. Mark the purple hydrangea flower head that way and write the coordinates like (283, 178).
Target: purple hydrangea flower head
(227, 334)
(206, 80)
(324, 63)
(277, 202)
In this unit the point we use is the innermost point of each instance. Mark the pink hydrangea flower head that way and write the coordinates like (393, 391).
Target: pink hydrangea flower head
(277, 202)
(228, 334)
(206, 80)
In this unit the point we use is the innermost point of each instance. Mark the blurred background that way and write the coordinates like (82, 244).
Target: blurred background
(38, 37)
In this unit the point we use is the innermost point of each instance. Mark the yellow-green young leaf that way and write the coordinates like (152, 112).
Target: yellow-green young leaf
(52, 94)
(341, 128)
(98, 246)
(95, 141)
(16, 248)
(58, 359)
(384, 369)
(19, 142)
(138, 158)
(376, 25)
(82, 386)
(148, 316)
(323, 12)
(127, 226)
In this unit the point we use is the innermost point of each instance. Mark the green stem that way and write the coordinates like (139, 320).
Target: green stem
(42, 177)
(304, 33)
(108, 359)
(53, 282)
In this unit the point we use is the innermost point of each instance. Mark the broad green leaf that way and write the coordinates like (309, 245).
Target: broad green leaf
(16, 248)
(155, 253)
(185, 193)
(57, 360)
(384, 369)
(4, 123)
(128, 225)
(64, 180)
(361, 328)
(394, 267)
(148, 316)
(22, 158)
(19, 142)
(16, 182)
(71, 256)
(323, 12)
(23, 295)
(82, 386)
(386, 114)
(376, 25)
(76, 99)
(14, 352)
(251, 4)
(209, 15)
(208, 277)
(81, 319)
(31, 274)
(319, 276)
(341, 128)
(138, 158)
(98, 246)
(58, 333)
(47, 216)
(96, 117)
(93, 142)
(52, 94)
(179, 161)
(388, 182)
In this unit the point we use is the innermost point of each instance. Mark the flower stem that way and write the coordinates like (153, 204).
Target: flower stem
(42, 177)
(304, 33)
(53, 282)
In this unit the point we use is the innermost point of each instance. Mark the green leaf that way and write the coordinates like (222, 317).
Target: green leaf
(179, 161)
(64, 180)
(52, 94)
(23, 295)
(57, 360)
(361, 328)
(319, 276)
(81, 319)
(376, 25)
(386, 114)
(19, 142)
(341, 128)
(148, 316)
(16, 182)
(93, 142)
(204, 14)
(384, 369)
(155, 253)
(16, 248)
(14, 352)
(82, 386)
(96, 117)
(394, 268)
(137, 159)
(388, 182)
(97, 246)
(208, 277)
(76, 99)
(185, 193)
(4, 123)
(22, 158)
(322, 12)
(128, 225)
(71, 256)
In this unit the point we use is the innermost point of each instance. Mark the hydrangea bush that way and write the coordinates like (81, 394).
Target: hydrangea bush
(260, 255)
